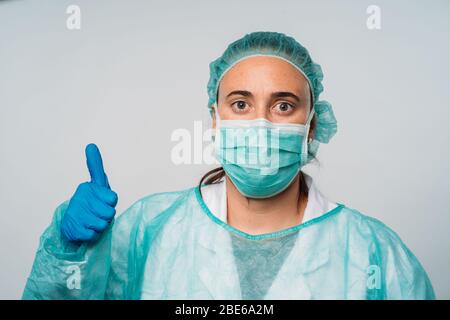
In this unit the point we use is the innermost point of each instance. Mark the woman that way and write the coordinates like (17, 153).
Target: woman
(256, 228)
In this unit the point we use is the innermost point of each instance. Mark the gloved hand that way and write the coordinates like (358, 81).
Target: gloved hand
(92, 207)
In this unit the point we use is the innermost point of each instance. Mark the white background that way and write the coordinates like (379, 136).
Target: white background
(137, 70)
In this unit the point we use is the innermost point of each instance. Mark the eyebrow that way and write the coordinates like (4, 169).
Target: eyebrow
(278, 94)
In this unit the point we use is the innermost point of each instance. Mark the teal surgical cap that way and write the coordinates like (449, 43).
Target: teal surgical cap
(264, 43)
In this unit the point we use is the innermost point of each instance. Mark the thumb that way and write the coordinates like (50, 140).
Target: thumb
(95, 165)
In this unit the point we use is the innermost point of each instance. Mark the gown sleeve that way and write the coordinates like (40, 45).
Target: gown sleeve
(65, 270)
(404, 278)
(110, 267)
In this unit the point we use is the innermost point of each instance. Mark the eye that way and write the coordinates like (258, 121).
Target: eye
(284, 108)
(239, 106)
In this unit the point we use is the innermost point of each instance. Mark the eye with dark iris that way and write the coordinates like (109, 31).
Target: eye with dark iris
(284, 106)
(240, 105)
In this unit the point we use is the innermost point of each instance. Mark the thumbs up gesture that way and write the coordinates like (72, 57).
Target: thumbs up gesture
(92, 207)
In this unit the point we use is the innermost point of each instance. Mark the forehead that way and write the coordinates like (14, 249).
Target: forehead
(264, 71)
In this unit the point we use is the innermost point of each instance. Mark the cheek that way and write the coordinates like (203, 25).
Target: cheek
(297, 116)
(226, 113)
(300, 116)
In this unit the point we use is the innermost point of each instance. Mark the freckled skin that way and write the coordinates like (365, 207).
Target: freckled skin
(261, 76)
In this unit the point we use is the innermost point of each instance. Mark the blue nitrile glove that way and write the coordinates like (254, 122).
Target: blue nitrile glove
(91, 208)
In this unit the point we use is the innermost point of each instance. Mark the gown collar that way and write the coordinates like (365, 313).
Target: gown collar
(215, 198)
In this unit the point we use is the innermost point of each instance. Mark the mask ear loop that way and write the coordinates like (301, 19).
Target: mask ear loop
(217, 129)
(305, 140)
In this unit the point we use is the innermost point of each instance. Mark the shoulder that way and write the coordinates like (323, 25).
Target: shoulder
(374, 234)
(155, 203)
(405, 276)
(365, 225)
(162, 200)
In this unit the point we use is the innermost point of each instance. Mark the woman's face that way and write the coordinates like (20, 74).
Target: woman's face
(264, 87)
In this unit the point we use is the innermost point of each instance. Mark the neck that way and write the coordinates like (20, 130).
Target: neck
(258, 216)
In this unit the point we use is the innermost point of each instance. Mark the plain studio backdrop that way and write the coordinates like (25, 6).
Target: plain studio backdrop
(135, 74)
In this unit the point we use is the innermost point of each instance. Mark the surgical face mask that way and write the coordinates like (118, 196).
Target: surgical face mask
(260, 157)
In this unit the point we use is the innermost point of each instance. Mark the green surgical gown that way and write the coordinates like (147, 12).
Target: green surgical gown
(170, 246)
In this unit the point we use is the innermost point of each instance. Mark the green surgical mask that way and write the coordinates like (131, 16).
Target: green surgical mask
(260, 157)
